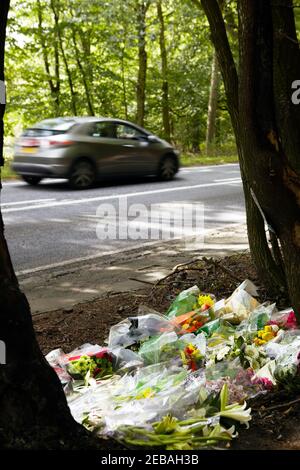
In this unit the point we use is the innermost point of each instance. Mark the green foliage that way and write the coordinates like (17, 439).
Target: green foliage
(92, 47)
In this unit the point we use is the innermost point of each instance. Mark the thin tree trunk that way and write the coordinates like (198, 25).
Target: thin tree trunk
(83, 73)
(164, 71)
(53, 85)
(212, 105)
(64, 57)
(124, 88)
(142, 8)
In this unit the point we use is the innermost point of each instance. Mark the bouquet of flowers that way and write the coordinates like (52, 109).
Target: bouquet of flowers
(192, 357)
(96, 365)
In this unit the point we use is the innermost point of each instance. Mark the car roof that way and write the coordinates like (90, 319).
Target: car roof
(87, 119)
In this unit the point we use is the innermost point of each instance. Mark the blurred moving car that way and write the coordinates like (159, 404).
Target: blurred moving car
(85, 149)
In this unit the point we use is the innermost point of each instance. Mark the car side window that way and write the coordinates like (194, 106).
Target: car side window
(104, 129)
(128, 132)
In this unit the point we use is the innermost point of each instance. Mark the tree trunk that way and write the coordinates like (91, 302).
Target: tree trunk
(267, 126)
(124, 88)
(83, 73)
(33, 410)
(142, 7)
(212, 105)
(271, 273)
(54, 85)
(164, 72)
(56, 11)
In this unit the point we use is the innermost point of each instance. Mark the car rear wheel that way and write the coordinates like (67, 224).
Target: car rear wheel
(168, 168)
(83, 175)
(32, 180)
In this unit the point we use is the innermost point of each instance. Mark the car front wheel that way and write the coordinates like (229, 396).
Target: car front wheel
(32, 180)
(167, 168)
(83, 175)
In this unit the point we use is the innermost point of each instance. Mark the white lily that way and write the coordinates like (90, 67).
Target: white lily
(237, 413)
(234, 411)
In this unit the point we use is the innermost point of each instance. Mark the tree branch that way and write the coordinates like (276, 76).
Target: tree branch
(224, 54)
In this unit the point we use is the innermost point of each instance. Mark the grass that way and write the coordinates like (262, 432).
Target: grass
(191, 159)
(7, 172)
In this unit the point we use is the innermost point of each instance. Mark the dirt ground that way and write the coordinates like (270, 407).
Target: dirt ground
(275, 421)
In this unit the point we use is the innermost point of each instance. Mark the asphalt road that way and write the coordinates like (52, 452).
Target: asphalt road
(51, 225)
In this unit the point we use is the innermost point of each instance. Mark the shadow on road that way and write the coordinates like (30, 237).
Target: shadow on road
(108, 183)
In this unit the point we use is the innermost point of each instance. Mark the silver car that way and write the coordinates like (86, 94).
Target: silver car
(86, 149)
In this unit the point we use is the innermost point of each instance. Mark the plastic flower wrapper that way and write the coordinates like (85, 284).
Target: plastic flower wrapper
(161, 348)
(191, 322)
(240, 304)
(184, 302)
(134, 330)
(170, 347)
(210, 327)
(56, 359)
(257, 320)
(285, 319)
(287, 364)
(137, 399)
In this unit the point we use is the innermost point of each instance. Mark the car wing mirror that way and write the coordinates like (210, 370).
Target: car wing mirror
(152, 139)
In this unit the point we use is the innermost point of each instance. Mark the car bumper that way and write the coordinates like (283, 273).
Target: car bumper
(37, 169)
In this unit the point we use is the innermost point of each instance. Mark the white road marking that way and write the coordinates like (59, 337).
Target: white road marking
(4, 204)
(118, 196)
(226, 180)
(86, 258)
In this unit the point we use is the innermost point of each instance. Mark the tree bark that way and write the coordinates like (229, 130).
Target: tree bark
(212, 105)
(54, 85)
(56, 13)
(164, 72)
(88, 93)
(271, 274)
(270, 172)
(33, 410)
(142, 7)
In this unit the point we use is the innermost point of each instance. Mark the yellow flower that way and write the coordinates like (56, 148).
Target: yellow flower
(267, 336)
(146, 393)
(268, 328)
(205, 300)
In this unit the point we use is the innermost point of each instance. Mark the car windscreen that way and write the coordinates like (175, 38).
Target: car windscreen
(49, 127)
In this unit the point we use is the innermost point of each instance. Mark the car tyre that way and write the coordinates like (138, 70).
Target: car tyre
(168, 168)
(82, 175)
(32, 180)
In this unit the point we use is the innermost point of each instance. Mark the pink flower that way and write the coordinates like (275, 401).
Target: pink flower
(264, 382)
(291, 321)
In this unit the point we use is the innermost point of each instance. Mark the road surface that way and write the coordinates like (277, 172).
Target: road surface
(51, 225)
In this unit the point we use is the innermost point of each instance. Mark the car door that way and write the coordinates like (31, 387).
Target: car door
(105, 147)
(136, 156)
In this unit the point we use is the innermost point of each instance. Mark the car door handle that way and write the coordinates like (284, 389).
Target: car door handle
(128, 145)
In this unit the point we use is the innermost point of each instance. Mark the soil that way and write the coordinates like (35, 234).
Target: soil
(275, 421)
